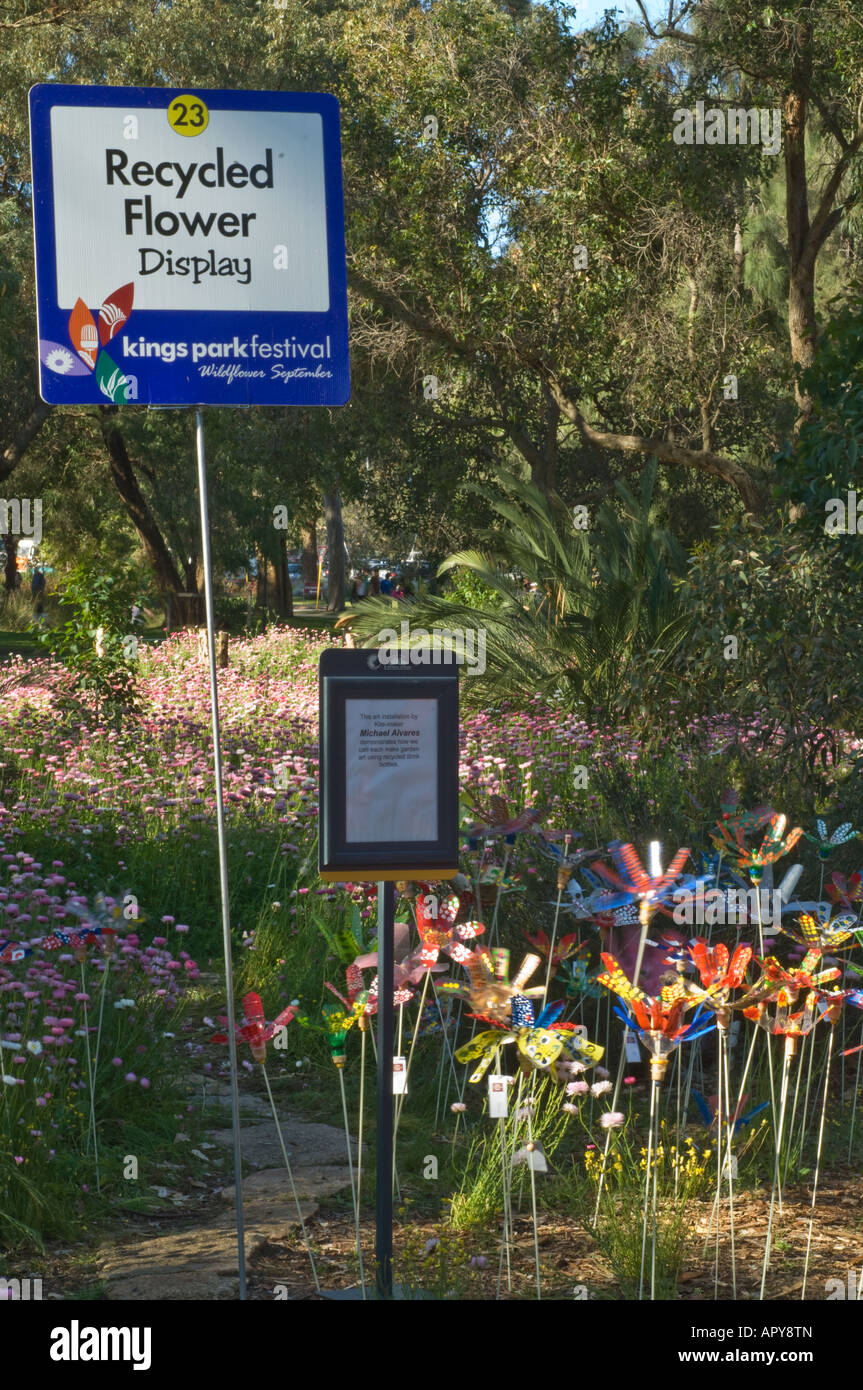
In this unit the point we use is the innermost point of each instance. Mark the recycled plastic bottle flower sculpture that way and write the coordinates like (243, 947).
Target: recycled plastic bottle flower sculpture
(79, 939)
(818, 929)
(408, 968)
(499, 821)
(489, 991)
(737, 820)
(579, 981)
(540, 1041)
(338, 1021)
(565, 947)
(255, 1030)
(844, 892)
(818, 1004)
(658, 1021)
(790, 980)
(827, 843)
(633, 883)
(439, 931)
(719, 974)
(773, 846)
(11, 951)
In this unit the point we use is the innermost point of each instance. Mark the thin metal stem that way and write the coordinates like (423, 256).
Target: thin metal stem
(223, 847)
(291, 1178)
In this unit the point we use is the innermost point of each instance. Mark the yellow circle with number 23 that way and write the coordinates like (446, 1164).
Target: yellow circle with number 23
(188, 115)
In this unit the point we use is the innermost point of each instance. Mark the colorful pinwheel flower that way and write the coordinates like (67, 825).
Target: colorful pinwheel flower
(737, 820)
(565, 947)
(844, 892)
(489, 991)
(818, 929)
(818, 1004)
(783, 983)
(338, 1022)
(580, 983)
(439, 931)
(719, 975)
(658, 1021)
(255, 1030)
(827, 843)
(633, 883)
(773, 846)
(498, 821)
(540, 1041)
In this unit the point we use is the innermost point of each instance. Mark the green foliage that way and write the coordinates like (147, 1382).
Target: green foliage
(587, 618)
(788, 592)
(465, 587)
(93, 621)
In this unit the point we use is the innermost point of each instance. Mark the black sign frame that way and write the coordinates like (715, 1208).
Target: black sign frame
(360, 674)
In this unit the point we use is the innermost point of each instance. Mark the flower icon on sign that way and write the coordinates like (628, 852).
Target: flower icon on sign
(89, 340)
(59, 360)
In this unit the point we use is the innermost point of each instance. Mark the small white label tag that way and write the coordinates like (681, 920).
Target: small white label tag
(532, 1154)
(580, 1031)
(498, 1097)
(400, 1076)
(730, 1164)
(630, 1042)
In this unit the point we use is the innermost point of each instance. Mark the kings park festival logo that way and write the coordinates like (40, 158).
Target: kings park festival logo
(89, 340)
(90, 334)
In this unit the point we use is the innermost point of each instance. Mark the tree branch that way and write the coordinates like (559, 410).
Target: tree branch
(825, 218)
(15, 451)
(665, 451)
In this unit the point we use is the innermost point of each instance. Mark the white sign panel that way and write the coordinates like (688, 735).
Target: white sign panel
(193, 223)
(384, 740)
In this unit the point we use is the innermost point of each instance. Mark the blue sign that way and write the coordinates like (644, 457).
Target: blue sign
(190, 247)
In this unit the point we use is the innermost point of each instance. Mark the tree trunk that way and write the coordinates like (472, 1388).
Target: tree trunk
(802, 327)
(14, 452)
(168, 581)
(262, 580)
(309, 556)
(283, 578)
(11, 543)
(335, 552)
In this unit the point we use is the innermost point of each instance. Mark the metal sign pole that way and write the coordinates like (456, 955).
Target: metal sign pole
(384, 1161)
(223, 848)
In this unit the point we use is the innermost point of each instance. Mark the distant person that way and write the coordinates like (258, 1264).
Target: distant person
(362, 586)
(37, 591)
(386, 585)
(374, 585)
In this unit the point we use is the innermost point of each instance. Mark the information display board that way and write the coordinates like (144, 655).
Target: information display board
(388, 769)
(190, 246)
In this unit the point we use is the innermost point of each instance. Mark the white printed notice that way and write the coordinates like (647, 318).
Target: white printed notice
(391, 770)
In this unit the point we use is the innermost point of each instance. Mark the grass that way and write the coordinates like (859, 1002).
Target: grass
(147, 842)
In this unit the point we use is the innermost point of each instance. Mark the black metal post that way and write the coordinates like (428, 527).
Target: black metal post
(384, 1164)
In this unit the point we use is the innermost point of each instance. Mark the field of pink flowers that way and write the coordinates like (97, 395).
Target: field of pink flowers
(113, 826)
